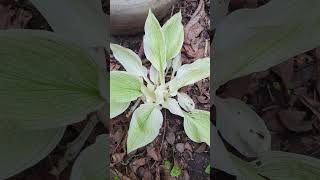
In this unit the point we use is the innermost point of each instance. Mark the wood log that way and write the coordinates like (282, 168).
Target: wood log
(128, 16)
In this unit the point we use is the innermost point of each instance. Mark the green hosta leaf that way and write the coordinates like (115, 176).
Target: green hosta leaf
(174, 35)
(92, 162)
(287, 166)
(185, 102)
(190, 73)
(129, 60)
(154, 44)
(117, 108)
(197, 126)
(124, 87)
(247, 171)
(220, 10)
(254, 40)
(45, 81)
(242, 127)
(80, 20)
(144, 126)
(21, 148)
(173, 106)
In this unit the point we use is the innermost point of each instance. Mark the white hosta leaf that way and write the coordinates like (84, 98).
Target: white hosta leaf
(174, 35)
(92, 162)
(80, 20)
(173, 106)
(185, 102)
(45, 81)
(220, 157)
(21, 148)
(128, 59)
(242, 127)
(278, 165)
(154, 44)
(190, 74)
(254, 40)
(197, 126)
(176, 63)
(124, 87)
(116, 108)
(144, 127)
(154, 75)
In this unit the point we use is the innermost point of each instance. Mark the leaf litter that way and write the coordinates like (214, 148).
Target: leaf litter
(172, 143)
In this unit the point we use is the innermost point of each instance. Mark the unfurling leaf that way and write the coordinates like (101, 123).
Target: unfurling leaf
(190, 74)
(154, 75)
(92, 162)
(174, 35)
(154, 44)
(242, 127)
(186, 102)
(176, 63)
(175, 171)
(124, 87)
(45, 81)
(254, 40)
(197, 126)
(116, 108)
(145, 124)
(81, 20)
(129, 60)
(21, 148)
(173, 106)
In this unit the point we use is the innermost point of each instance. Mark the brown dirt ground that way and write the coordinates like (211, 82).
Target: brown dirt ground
(147, 162)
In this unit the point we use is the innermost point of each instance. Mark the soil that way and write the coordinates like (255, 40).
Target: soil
(285, 96)
(172, 143)
(22, 14)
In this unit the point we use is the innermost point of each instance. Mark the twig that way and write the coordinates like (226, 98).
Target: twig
(74, 148)
(133, 108)
(164, 130)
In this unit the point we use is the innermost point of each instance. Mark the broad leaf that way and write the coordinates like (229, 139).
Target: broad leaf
(92, 162)
(80, 20)
(124, 87)
(197, 126)
(185, 102)
(242, 127)
(173, 106)
(220, 157)
(45, 81)
(190, 73)
(129, 60)
(117, 108)
(254, 40)
(220, 10)
(246, 170)
(278, 165)
(144, 127)
(154, 44)
(21, 148)
(174, 35)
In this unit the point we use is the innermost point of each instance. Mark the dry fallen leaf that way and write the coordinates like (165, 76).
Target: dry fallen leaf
(294, 120)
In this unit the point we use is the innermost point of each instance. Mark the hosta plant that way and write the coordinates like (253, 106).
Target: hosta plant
(248, 41)
(49, 80)
(162, 46)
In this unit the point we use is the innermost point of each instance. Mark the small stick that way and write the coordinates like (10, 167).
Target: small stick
(134, 107)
